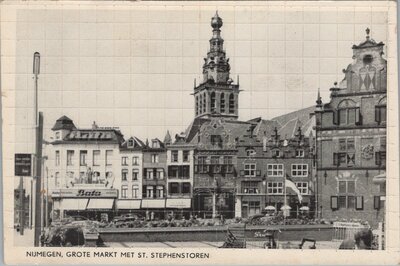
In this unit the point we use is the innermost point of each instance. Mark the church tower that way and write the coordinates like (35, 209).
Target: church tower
(216, 96)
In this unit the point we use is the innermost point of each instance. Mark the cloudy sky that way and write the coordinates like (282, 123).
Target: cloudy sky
(133, 65)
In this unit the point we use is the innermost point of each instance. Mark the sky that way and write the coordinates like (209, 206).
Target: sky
(133, 65)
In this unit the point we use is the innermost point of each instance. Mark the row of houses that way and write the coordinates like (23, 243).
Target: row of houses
(333, 152)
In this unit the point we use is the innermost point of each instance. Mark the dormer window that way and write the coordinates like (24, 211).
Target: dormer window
(130, 143)
(58, 134)
(155, 144)
(276, 153)
(250, 152)
(300, 153)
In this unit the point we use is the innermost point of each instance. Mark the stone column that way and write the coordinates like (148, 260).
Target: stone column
(238, 206)
(214, 205)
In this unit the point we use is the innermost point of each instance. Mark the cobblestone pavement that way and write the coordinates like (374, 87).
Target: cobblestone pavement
(206, 244)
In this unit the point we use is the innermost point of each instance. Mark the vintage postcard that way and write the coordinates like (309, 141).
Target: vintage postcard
(184, 132)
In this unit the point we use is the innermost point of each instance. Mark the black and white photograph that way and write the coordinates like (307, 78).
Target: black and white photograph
(191, 129)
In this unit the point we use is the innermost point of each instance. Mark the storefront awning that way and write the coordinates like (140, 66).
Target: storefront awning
(153, 203)
(379, 179)
(178, 203)
(100, 204)
(73, 204)
(128, 204)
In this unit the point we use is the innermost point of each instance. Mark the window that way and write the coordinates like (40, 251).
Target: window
(300, 153)
(135, 160)
(185, 188)
(130, 143)
(201, 104)
(334, 203)
(160, 192)
(149, 174)
(160, 173)
(173, 171)
(379, 202)
(380, 158)
(185, 171)
(109, 155)
(149, 192)
(299, 170)
(250, 169)
(347, 114)
(216, 168)
(155, 144)
(154, 158)
(124, 174)
(174, 156)
(57, 179)
(201, 166)
(212, 102)
(250, 152)
(124, 190)
(173, 188)
(347, 198)
(124, 160)
(70, 157)
(197, 105)
(216, 141)
(276, 153)
(186, 156)
(96, 157)
(222, 102)
(303, 187)
(204, 104)
(250, 187)
(347, 153)
(135, 191)
(231, 103)
(275, 188)
(135, 174)
(380, 114)
(228, 164)
(58, 135)
(275, 170)
(57, 162)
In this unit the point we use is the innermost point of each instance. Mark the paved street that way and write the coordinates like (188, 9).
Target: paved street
(206, 244)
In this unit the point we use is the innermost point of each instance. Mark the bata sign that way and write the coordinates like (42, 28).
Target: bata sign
(85, 193)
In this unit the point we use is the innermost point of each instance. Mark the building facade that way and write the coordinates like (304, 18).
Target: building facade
(351, 139)
(265, 163)
(83, 169)
(180, 165)
(131, 161)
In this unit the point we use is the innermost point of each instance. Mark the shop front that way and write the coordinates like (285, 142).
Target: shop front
(179, 207)
(153, 209)
(94, 204)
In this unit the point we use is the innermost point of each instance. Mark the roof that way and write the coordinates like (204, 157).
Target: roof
(98, 135)
(64, 122)
(289, 123)
(137, 144)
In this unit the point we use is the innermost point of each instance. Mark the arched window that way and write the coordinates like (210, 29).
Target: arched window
(231, 104)
(204, 103)
(197, 105)
(212, 102)
(201, 104)
(348, 113)
(380, 111)
(222, 103)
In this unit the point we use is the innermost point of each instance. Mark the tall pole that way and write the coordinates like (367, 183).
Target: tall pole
(38, 197)
(284, 200)
(47, 197)
(38, 148)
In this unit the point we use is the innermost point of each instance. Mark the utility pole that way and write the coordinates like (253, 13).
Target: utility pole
(38, 147)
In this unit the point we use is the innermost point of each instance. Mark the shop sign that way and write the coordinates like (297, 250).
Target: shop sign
(85, 193)
(23, 164)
